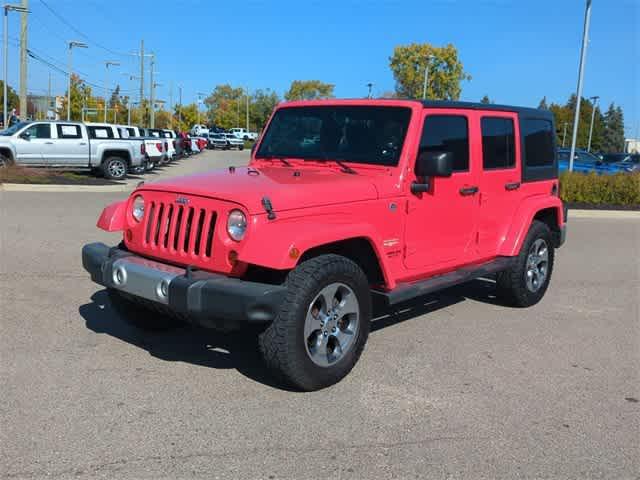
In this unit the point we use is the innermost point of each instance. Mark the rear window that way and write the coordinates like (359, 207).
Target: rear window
(100, 132)
(538, 142)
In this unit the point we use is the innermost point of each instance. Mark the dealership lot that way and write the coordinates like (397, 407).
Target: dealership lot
(451, 386)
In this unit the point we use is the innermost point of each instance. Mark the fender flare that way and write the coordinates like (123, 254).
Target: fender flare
(113, 217)
(282, 241)
(522, 221)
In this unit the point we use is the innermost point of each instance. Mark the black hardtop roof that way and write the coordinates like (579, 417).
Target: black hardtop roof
(536, 112)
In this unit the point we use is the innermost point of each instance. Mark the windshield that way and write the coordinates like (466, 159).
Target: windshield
(360, 134)
(13, 129)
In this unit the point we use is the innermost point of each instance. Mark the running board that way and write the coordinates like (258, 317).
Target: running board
(407, 291)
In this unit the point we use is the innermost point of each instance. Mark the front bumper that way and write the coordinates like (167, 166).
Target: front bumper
(206, 299)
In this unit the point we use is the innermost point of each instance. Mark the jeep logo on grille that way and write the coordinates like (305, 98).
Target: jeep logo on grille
(182, 200)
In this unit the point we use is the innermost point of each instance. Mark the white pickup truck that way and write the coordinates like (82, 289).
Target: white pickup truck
(243, 134)
(156, 148)
(70, 145)
(198, 129)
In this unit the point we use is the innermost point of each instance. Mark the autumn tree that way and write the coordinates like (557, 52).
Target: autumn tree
(309, 90)
(225, 106)
(81, 96)
(445, 73)
(163, 119)
(185, 116)
(262, 104)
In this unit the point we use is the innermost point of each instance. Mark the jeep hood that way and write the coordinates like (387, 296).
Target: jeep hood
(287, 187)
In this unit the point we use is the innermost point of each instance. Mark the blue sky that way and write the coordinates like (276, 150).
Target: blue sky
(517, 51)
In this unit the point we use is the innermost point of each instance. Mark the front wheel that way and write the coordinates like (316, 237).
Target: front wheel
(525, 283)
(5, 161)
(114, 168)
(322, 326)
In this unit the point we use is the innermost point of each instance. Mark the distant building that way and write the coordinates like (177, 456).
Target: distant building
(632, 145)
(43, 107)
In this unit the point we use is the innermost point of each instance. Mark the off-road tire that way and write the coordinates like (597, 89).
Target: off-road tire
(511, 283)
(5, 161)
(115, 168)
(142, 314)
(282, 343)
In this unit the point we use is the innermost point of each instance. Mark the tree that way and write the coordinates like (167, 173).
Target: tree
(486, 99)
(226, 106)
(564, 116)
(613, 138)
(12, 98)
(80, 96)
(543, 104)
(185, 116)
(309, 90)
(446, 71)
(163, 119)
(262, 104)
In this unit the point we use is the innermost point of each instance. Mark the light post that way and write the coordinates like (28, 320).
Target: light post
(370, 86)
(426, 77)
(198, 103)
(129, 103)
(5, 43)
(564, 133)
(106, 85)
(594, 100)
(583, 60)
(72, 43)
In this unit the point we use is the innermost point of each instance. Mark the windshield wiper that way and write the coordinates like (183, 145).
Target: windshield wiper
(273, 157)
(345, 168)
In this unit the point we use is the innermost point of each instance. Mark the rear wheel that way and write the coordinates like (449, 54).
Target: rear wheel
(322, 326)
(139, 315)
(525, 283)
(5, 161)
(115, 168)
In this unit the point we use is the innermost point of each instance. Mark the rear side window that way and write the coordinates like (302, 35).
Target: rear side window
(498, 143)
(68, 131)
(132, 132)
(447, 133)
(538, 142)
(100, 132)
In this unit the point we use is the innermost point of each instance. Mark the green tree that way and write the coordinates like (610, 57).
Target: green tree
(446, 71)
(163, 119)
(543, 104)
(262, 104)
(185, 116)
(613, 138)
(12, 98)
(486, 99)
(225, 106)
(309, 90)
(564, 116)
(81, 95)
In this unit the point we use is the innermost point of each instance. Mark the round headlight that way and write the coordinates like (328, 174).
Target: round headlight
(138, 208)
(236, 225)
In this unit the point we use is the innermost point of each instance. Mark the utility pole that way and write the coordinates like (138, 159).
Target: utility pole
(23, 59)
(72, 44)
(171, 104)
(152, 113)
(198, 102)
(5, 40)
(238, 112)
(247, 109)
(180, 106)
(564, 134)
(106, 86)
(141, 81)
(49, 102)
(583, 60)
(594, 100)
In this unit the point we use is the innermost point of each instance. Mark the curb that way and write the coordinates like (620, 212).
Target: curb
(622, 214)
(26, 187)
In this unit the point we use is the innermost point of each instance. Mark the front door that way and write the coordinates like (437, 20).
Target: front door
(500, 179)
(441, 223)
(71, 147)
(33, 143)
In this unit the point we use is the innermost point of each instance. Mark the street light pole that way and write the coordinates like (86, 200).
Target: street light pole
(594, 100)
(583, 59)
(5, 41)
(72, 43)
(247, 109)
(106, 86)
(426, 77)
(369, 85)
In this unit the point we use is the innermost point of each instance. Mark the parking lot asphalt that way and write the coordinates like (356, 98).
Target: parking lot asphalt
(451, 386)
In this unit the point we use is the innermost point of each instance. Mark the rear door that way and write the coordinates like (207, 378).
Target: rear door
(500, 179)
(71, 146)
(34, 147)
(441, 223)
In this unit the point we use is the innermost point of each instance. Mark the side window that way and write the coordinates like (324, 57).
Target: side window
(132, 132)
(68, 131)
(100, 132)
(498, 143)
(39, 130)
(538, 142)
(448, 133)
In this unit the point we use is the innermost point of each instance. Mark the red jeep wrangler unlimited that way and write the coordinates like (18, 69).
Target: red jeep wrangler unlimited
(342, 199)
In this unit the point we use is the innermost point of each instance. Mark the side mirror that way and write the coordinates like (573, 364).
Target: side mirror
(25, 136)
(431, 164)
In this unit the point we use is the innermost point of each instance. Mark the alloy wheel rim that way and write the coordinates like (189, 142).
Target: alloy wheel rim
(331, 324)
(537, 267)
(116, 169)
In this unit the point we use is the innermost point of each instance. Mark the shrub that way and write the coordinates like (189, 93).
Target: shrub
(620, 189)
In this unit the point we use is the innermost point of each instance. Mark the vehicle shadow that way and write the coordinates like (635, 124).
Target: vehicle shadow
(239, 350)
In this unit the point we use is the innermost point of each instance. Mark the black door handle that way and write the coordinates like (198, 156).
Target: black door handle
(512, 186)
(468, 191)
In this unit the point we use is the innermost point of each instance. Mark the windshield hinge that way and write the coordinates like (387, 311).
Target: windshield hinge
(266, 203)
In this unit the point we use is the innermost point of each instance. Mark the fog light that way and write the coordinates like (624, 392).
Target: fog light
(233, 258)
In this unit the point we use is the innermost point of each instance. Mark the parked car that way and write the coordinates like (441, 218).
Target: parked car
(299, 242)
(585, 162)
(69, 145)
(233, 141)
(155, 149)
(199, 129)
(243, 134)
(107, 130)
(217, 140)
(170, 135)
(183, 144)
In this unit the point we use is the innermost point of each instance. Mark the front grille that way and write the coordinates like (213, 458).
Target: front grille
(180, 229)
